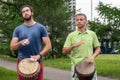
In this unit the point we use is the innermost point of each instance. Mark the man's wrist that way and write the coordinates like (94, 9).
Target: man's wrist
(72, 46)
(40, 55)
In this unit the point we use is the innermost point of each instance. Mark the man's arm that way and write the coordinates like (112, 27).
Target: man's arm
(95, 54)
(66, 50)
(47, 47)
(15, 44)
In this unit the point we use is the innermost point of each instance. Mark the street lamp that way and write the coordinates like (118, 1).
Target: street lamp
(78, 11)
(91, 10)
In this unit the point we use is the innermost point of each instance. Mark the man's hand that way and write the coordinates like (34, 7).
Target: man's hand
(78, 44)
(66, 50)
(89, 59)
(35, 58)
(25, 42)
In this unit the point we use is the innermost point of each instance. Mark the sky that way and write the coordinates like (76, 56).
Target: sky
(84, 6)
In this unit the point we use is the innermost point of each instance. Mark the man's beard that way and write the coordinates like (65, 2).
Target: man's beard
(27, 19)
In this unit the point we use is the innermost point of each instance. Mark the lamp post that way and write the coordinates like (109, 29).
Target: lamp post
(91, 10)
(79, 10)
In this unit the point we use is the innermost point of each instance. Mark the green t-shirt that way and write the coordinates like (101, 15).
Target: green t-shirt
(79, 53)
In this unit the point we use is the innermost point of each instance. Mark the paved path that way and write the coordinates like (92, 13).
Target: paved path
(49, 73)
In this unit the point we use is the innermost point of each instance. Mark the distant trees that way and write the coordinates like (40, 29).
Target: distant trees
(107, 26)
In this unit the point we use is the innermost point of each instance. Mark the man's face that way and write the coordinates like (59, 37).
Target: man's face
(81, 21)
(26, 13)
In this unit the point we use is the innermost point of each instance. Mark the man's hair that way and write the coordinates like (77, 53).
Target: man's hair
(31, 8)
(81, 14)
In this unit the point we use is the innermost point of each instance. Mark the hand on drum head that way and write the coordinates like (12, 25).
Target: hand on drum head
(35, 58)
(89, 59)
(32, 59)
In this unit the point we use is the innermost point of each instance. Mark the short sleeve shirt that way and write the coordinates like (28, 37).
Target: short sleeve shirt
(79, 53)
(34, 33)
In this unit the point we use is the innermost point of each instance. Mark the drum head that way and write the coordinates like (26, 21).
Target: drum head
(28, 67)
(85, 69)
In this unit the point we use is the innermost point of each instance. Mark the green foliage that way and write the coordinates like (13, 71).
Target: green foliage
(101, 30)
(107, 25)
(111, 18)
(9, 19)
(8, 58)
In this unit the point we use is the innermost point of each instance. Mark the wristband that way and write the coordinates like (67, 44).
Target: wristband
(40, 55)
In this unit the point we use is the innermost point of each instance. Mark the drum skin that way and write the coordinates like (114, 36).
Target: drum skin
(84, 69)
(28, 69)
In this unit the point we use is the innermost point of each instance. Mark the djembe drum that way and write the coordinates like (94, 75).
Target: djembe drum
(28, 69)
(84, 70)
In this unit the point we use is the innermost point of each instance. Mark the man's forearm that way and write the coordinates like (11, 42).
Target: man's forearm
(45, 50)
(97, 52)
(15, 46)
(67, 49)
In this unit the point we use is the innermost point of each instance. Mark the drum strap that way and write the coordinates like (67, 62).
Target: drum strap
(75, 75)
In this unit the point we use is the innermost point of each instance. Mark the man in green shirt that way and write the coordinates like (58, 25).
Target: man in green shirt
(80, 43)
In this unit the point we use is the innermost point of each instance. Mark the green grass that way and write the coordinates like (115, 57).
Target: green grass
(107, 65)
(7, 58)
(6, 74)
(58, 63)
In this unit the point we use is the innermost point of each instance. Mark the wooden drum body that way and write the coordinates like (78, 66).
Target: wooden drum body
(84, 70)
(28, 69)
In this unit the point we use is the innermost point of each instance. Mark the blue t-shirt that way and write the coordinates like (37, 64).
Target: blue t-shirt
(34, 33)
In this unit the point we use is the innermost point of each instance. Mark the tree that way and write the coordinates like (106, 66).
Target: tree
(107, 26)
(112, 17)
(9, 18)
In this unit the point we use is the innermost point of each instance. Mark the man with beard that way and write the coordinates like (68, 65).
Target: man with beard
(28, 38)
(80, 44)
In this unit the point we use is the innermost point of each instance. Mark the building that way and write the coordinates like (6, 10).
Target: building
(72, 8)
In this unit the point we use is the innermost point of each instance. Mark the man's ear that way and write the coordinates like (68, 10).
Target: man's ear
(32, 13)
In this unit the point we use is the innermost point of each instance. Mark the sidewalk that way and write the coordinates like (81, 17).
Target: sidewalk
(49, 73)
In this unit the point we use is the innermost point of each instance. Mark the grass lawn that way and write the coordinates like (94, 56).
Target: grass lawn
(107, 65)
(58, 63)
(6, 74)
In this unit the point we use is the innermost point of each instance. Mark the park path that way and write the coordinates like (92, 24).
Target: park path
(49, 73)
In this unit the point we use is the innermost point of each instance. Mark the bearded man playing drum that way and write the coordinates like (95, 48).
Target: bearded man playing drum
(80, 45)
(28, 39)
